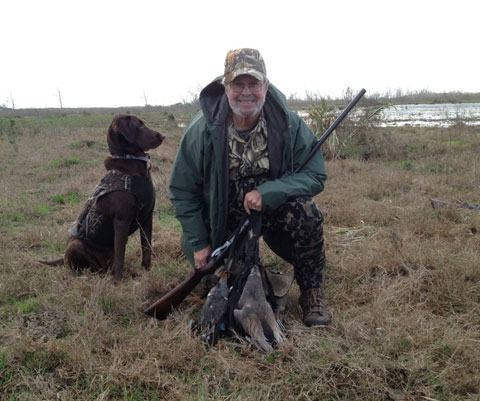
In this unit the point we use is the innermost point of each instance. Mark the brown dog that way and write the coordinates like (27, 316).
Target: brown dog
(122, 202)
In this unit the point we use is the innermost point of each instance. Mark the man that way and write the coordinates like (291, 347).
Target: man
(233, 158)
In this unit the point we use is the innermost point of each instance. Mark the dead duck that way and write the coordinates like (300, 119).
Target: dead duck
(255, 315)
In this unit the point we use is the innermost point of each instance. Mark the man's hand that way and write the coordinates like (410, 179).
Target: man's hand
(253, 201)
(201, 257)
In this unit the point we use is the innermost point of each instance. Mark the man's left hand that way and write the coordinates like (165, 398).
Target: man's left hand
(253, 201)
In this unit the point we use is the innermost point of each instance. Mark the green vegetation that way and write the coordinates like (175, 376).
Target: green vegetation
(71, 199)
(406, 164)
(41, 210)
(28, 305)
(88, 144)
(68, 162)
(11, 129)
(169, 221)
(457, 142)
(7, 219)
(6, 375)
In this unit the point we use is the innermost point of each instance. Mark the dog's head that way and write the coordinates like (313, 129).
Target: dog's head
(128, 134)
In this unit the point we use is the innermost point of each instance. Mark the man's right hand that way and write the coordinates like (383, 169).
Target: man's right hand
(201, 257)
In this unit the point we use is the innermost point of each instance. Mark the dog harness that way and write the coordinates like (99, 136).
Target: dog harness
(94, 227)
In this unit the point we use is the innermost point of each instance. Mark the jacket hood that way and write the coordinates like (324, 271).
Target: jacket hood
(215, 109)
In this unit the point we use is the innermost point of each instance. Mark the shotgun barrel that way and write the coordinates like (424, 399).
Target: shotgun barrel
(330, 129)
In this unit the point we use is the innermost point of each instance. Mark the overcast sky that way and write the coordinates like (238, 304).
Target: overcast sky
(116, 53)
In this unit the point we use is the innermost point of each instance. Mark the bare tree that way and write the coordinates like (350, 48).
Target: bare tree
(145, 99)
(192, 97)
(348, 94)
(60, 98)
(12, 101)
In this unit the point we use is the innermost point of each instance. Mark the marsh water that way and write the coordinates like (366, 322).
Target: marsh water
(431, 115)
(425, 115)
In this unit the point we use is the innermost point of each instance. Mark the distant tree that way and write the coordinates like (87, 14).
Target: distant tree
(192, 97)
(60, 98)
(12, 102)
(145, 99)
(348, 94)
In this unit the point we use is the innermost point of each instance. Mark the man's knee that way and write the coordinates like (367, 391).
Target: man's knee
(300, 217)
(295, 228)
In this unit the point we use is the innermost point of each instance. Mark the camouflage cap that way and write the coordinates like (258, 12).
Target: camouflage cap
(244, 61)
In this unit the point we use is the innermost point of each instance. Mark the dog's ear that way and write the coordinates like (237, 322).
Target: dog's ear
(116, 137)
(125, 125)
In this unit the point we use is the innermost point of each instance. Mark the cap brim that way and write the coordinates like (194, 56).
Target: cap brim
(243, 71)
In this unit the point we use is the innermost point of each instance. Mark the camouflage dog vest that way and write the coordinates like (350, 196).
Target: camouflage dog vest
(94, 227)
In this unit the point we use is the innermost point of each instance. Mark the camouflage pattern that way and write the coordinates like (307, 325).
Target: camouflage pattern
(244, 61)
(97, 229)
(294, 231)
(248, 153)
(90, 221)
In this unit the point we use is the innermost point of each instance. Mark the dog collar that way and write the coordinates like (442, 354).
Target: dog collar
(132, 157)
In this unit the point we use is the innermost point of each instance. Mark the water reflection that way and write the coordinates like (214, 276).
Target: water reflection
(431, 115)
(424, 115)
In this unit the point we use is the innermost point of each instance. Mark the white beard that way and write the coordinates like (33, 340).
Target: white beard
(256, 110)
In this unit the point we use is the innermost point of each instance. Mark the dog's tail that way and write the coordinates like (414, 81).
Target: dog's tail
(56, 262)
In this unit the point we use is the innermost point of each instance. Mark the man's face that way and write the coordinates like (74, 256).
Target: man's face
(246, 95)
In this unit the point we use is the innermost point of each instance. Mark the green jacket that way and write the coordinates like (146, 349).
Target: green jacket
(199, 178)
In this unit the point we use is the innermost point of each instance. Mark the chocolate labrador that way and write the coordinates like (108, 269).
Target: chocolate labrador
(122, 202)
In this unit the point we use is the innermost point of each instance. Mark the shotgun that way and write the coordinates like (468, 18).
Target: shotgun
(161, 308)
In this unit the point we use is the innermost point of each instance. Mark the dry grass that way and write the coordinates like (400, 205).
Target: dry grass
(403, 283)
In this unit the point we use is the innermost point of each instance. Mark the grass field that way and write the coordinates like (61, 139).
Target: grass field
(402, 283)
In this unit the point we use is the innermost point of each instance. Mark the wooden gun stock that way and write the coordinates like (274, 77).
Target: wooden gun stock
(164, 306)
